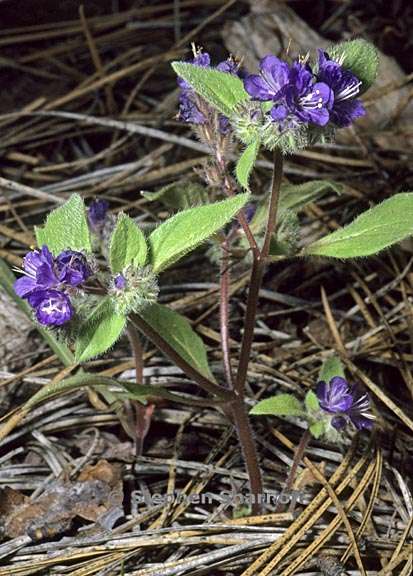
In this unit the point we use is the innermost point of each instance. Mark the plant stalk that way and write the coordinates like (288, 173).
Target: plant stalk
(257, 275)
(225, 280)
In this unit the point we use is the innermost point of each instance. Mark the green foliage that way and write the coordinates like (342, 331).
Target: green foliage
(296, 196)
(280, 405)
(127, 245)
(179, 195)
(317, 429)
(66, 227)
(330, 368)
(358, 56)
(179, 334)
(311, 402)
(99, 331)
(222, 90)
(373, 231)
(188, 229)
(246, 163)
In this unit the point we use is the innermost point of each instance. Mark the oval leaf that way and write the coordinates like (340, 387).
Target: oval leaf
(280, 405)
(296, 196)
(66, 227)
(222, 90)
(99, 331)
(127, 245)
(246, 163)
(179, 195)
(311, 402)
(330, 368)
(317, 429)
(179, 334)
(188, 229)
(373, 231)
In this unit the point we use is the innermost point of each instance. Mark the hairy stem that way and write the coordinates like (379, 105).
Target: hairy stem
(249, 452)
(257, 274)
(224, 312)
(141, 418)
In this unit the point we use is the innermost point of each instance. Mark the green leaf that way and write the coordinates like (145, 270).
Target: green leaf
(188, 229)
(246, 163)
(222, 90)
(296, 196)
(330, 368)
(127, 245)
(280, 405)
(373, 231)
(179, 334)
(179, 195)
(311, 402)
(317, 429)
(99, 331)
(358, 56)
(66, 227)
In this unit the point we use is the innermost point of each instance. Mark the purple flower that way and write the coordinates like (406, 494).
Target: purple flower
(334, 397)
(72, 268)
(274, 75)
(120, 282)
(359, 412)
(308, 101)
(293, 91)
(39, 273)
(344, 403)
(53, 308)
(345, 86)
(97, 214)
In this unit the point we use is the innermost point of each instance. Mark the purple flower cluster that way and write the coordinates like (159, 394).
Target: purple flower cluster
(300, 95)
(344, 403)
(47, 282)
(188, 106)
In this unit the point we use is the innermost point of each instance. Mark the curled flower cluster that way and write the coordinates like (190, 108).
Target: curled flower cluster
(48, 283)
(344, 403)
(298, 95)
(189, 108)
(97, 214)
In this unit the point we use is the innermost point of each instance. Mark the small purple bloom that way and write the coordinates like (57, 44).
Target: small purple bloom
(97, 214)
(120, 282)
(39, 273)
(53, 308)
(359, 412)
(188, 110)
(345, 86)
(230, 66)
(308, 101)
(274, 75)
(293, 90)
(72, 268)
(344, 403)
(334, 397)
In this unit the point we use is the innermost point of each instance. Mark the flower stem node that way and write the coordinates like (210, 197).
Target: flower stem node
(134, 289)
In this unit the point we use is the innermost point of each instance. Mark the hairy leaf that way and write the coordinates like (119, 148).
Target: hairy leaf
(246, 163)
(280, 405)
(180, 195)
(188, 229)
(127, 245)
(358, 56)
(99, 331)
(330, 368)
(373, 231)
(311, 401)
(296, 196)
(180, 335)
(317, 429)
(222, 90)
(66, 227)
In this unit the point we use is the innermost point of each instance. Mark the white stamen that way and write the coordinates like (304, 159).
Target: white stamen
(349, 91)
